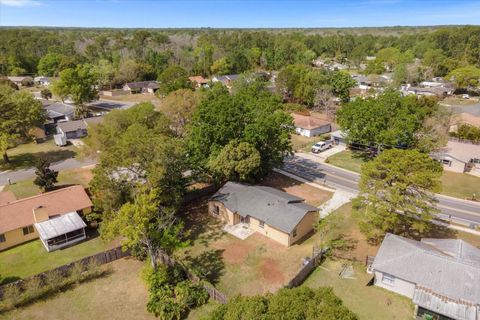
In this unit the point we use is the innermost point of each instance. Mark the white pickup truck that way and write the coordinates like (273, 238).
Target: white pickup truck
(322, 146)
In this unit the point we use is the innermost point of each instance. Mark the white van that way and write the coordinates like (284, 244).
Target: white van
(322, 146)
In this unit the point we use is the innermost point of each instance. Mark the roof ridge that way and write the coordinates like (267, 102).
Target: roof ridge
(41, 194)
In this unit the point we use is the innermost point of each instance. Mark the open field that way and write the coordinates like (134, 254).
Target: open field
(121, 294)
(26, 155)
(454, 184)
(368, 302)
(26, 188)
(312, 195)
(31, 258)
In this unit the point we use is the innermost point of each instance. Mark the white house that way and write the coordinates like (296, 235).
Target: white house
(309, 126)
(441, 276)
(459, 157)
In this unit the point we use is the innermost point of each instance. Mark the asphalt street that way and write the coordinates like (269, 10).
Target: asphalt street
(456, 210)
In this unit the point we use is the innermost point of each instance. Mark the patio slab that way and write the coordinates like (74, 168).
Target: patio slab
(239, 230)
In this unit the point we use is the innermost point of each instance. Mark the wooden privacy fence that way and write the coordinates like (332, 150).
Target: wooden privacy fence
(212, 291)
(100, 258)
(306, 268)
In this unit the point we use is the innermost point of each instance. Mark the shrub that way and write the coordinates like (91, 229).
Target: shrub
(76, 272)
(33, 288)
(54, 280)
(12, 296)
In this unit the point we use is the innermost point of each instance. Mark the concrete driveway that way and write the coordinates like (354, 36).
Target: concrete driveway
(322, 156)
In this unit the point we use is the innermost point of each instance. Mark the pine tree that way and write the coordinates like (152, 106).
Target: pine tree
(46, 177)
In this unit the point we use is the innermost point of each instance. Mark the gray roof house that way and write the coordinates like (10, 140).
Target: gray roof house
(75, 129)
(278, 215)
(441, 276)
(226, 80)
(59, 111)
(142, 86)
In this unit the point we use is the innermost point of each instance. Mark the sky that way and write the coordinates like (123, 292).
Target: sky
(237, 13)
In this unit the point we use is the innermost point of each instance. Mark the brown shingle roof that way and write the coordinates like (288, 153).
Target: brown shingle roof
(198, 79)
(19, 214)
(308, 122)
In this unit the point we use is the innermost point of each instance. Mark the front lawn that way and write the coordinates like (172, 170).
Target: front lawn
(348, 160)
(301, 143)
(26, 188)
(31, 258)
(368, 302)
(460, 185)
(25, 155)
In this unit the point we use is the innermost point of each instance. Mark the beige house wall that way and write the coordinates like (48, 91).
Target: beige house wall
(455, 166)
(15, 237)
(304, 227)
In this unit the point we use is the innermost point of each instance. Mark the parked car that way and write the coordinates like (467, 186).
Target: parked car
(322, 146)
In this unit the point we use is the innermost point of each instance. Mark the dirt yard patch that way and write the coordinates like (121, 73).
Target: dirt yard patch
(270, 272)
(312, 195)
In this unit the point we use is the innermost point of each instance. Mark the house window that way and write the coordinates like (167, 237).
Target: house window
(2, 238)
(476, 161)
(447, 162)
(388, 279)
(261, 224)
(216, 210)
(27, 230)
(294, 232)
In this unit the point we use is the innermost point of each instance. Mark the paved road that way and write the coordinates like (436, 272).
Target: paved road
(29, 173)
(461, 211)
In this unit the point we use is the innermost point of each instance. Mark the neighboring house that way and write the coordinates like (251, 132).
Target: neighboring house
(18, 80)
(438, 91)
(441, 276)
(43, 81)
(198, 81)
(59, 111)
(459, 157)
(76, 129)
(309, 126)
(52, 216)
(142, 87)
(338, 137)
(226, 80)
(278, 215)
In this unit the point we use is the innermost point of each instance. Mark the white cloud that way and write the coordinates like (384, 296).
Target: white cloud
(19, 3)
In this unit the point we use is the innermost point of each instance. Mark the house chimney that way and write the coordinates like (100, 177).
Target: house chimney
(40, 214)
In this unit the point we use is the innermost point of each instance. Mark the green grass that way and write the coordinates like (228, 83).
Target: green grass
(31, 258)
(368, 302)
(460, 185)
(26, 155)
(347, 160)
(301, 143)
(26, 188)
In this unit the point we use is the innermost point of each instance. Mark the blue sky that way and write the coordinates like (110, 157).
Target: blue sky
(237, 13)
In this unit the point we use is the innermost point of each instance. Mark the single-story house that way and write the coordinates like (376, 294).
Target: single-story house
(142, 87)
(309, 126)
(44, 81)
(278, 215)
(459, 157)
(441, 276)
(51, 216)
(18, 79)
(76, 129)
(198, 81)
(339, 137)
(435, 91)
(226, 80)
(59, 111)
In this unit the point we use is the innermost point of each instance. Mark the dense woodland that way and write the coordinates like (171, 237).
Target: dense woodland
(136, 54)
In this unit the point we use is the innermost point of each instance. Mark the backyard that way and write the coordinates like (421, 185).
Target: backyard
(120, 294)
(252, 266)
(26, 188)
(460, 185)
(31, 258)
(26, 155)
